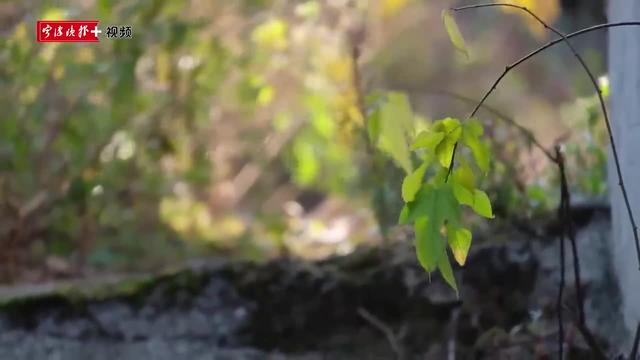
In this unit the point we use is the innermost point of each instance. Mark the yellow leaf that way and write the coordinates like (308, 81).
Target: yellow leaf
(454, 32)
(460, 242)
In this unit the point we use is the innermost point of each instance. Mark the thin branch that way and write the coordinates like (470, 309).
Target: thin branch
(506, 118)
(565, 39)
(565, 207)
(569, 232)
(559, 301)
(392, 338)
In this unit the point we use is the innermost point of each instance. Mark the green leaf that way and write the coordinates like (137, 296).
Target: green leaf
(474, 126)
(452, 130)
(462, 194)
(444, 152)
(460, 242)
(450, 126)
(429, 243)
(465, 176)
(412, 183)
(463, 183)
(434, 207)
(428, 139)
(404, 215)
(454, 32)
(479, 149)
(399, 103)
(444, 265)
(439, 177)
(421, 204)
(395, 130)
(482, 204)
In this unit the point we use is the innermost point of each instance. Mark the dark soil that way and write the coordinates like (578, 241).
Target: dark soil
(376, 303)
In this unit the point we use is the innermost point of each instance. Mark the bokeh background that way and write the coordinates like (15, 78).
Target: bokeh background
(232, 128)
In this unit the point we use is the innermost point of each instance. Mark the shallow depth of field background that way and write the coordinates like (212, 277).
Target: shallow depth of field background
(231, 128)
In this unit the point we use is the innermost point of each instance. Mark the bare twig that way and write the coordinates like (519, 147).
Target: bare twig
(565, 201)
(560, 293)
(392, 338)
(564, 213)
(565, 39)
(569, 231)
(504, 117)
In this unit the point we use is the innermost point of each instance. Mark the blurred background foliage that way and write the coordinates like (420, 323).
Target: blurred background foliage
(237, 127)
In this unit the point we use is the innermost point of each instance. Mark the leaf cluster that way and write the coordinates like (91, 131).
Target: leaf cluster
(434, 201)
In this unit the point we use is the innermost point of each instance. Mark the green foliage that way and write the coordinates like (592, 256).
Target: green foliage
(146, 140)
(413, 182)
(434, 205)
(587, 154)
(471, 138)
(106, 133)
(393, 125)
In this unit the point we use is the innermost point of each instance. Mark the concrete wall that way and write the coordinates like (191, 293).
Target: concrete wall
(624, 72)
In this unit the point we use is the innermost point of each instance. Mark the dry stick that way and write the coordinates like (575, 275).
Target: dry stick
(569, 231)
(586, 333)
(571, 234)
(560, 293)
(565, 39)
(385, 329)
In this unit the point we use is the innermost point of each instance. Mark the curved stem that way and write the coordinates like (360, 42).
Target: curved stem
(506, 118)
(560, 294)
(565, 39)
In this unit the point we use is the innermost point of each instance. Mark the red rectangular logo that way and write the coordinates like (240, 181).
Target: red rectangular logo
(67, 31)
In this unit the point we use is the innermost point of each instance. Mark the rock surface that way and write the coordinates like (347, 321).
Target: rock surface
(372, 304)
